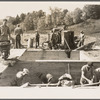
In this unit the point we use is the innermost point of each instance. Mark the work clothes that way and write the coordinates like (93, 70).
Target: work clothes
(65, 80)
(96, 75)
(82, 38)
(88, 73)
(54, 40)
(18, 31)
(37, 39)
(4, 33)
(17, 81)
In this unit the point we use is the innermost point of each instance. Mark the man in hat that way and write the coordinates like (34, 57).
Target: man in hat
(37, 36)
(18, 81)
(18, 31)
(51, 79)
(66, 80)
(42, 77)
(82, 38)
(47, 78)
(4, 31)
(87, 73)
(54, 39)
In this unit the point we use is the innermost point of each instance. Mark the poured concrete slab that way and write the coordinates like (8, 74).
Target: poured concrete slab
(49, 55)
(2, 67)
(16, 53)
(93, 55)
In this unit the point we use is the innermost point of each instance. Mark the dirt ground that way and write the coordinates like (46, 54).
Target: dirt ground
(90, 55)
(44, 37)
(26, 37)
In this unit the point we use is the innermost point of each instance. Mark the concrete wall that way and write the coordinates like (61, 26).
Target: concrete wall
(49, 55)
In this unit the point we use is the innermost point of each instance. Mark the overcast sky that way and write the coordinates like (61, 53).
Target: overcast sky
(14, 8)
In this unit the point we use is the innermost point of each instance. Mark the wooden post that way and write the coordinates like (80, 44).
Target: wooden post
(68, 69)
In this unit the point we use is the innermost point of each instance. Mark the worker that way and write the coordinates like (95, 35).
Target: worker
(47, 78)
(87, 72)
(96, 75)
(37, 36)
(18, 31)
(4, 31)
(82, 38)
(42, 77)
(46, 45)
(51, 79)
(49, 36)
(5, 34)
(59, 38)
(18, 81)
(54, 39)
(66, 80)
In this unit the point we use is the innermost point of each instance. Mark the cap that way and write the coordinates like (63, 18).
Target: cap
(19, 74)
(48, 76)
(82, 32)
(68, 76)
(90, 63)
(25, 71)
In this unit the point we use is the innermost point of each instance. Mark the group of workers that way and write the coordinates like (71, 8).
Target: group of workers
(64, 80)
(6, 36)
(89, 75)
(54, 38)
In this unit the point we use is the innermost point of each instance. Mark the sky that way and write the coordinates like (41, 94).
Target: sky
(14, 8)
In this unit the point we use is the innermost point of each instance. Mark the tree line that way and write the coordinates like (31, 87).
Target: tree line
(57, 17)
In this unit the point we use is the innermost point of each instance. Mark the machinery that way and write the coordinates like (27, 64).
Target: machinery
(66, 39)
(5, 49)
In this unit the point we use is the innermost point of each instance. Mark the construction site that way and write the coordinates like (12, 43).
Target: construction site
(57, 62)
(52, 64)
(50, 56)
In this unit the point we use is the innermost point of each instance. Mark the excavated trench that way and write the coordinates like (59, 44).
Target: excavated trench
(45, 62)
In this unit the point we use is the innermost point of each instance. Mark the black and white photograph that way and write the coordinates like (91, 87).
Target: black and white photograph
(49, 50)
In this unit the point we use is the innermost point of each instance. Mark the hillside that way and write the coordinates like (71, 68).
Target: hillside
(91, 29)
